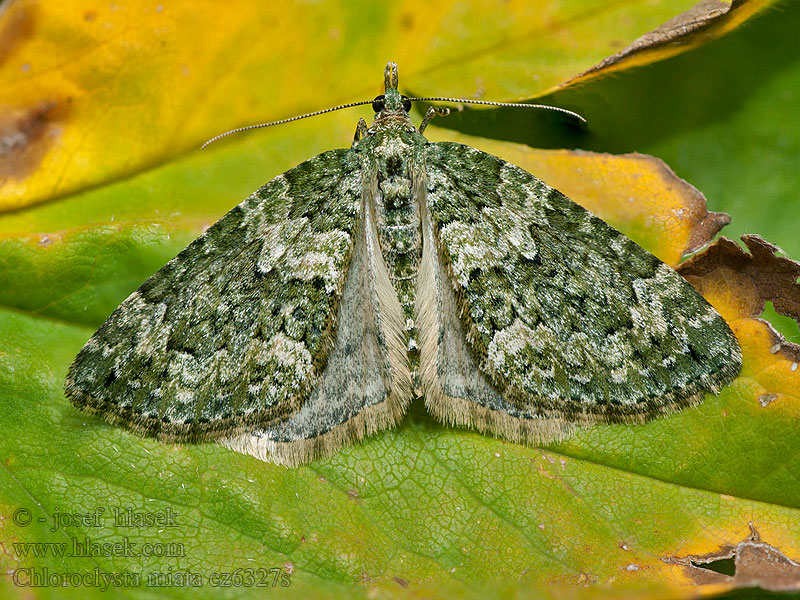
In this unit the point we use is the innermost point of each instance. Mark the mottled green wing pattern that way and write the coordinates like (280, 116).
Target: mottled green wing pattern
(236, 329)
(564, 315)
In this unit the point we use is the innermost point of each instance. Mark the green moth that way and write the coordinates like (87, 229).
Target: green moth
(315, 311)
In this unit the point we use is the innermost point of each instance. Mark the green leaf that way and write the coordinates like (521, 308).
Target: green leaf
(424, 509)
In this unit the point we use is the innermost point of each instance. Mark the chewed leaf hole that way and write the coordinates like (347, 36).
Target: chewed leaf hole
(784, 325)
(723, 566)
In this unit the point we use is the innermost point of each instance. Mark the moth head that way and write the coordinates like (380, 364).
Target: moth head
(391, 101)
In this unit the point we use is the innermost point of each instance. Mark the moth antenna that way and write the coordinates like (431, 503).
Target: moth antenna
(297, 118)
(510, 104)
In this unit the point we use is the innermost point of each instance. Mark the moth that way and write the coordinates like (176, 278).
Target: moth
(315, 311)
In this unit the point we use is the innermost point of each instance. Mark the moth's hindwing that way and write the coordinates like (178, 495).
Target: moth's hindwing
(236, 330)
(566, 319)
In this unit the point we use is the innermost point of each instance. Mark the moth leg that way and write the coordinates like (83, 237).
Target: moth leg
(433, 111)
(361, 131)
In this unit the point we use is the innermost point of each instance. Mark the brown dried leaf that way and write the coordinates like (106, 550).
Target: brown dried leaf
(751, 280)
(706, 19)
(755, 563)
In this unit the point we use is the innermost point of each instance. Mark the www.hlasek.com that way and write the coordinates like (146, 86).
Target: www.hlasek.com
(86, 547)
(246, 577)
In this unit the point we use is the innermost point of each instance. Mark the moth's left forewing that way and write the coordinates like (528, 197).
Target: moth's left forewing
(536, 315)
(234, 331)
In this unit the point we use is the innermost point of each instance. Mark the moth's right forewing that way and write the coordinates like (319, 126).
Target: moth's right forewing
(236, 329)
(565, 317)
(457, 391)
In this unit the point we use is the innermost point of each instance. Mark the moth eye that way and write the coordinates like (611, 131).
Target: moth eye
(406, 104)
(377, 104)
